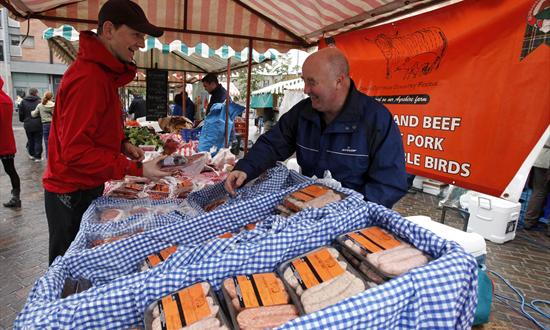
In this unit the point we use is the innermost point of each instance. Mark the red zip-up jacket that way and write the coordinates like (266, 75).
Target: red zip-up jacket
(84, 148)
(7, 141)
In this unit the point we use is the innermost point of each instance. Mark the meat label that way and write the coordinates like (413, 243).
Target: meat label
(314, 190)
(157, 258)
(302, 196)
(373, 239)
(259, 290)
(183, 308)
(316, 268)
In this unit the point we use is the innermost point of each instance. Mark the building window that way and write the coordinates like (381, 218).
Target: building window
(28, 43)
(14, 39)
(1, 50)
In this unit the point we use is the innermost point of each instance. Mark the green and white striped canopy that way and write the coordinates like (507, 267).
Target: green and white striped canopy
(175, 56)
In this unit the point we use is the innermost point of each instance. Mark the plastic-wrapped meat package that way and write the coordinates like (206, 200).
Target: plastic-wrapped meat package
(129, 188)
(382, 255)
(100, 239)
(321, 278)
(314, 196)
(215, 204)
(195, 164)
(192, 308)
(258, 301)
(156, 258)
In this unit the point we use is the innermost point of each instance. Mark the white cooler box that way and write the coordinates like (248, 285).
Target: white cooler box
(471, 242)
(493, 218)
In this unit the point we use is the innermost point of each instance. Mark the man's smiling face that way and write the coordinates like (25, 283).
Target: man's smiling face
(123, 42)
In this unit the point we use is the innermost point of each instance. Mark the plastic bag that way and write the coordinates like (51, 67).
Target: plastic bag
(213, 131)
(328, 181)
(223, 157)
(452, 196)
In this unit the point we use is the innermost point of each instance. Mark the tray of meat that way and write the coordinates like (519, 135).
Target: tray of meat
(127, 190)
(247, 227)
(156, 258)
(258, 301)
(312, 196)
(109, 214)
(321, 278)
(215, 204)
(382, 255)
(192, 308)
(158, 190)
(100, 239)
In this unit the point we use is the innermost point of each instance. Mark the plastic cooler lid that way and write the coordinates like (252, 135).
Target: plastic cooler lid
(472, 243)
(488, 201)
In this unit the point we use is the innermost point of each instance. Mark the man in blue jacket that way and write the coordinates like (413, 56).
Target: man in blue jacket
(337, 128)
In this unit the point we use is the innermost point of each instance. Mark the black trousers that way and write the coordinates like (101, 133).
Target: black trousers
(34, 143)
(64, 213)
(9, 167)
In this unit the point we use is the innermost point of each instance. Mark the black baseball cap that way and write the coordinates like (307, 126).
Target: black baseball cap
(128, 13)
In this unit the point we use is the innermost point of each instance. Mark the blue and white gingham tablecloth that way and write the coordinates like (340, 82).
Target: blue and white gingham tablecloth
(440, 295)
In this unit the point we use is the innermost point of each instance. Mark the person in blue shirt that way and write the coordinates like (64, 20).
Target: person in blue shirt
(337, 128)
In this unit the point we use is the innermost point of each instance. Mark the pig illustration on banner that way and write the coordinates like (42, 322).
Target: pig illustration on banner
(418, 53)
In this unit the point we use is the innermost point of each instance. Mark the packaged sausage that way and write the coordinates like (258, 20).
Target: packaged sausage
(247, 227)
(215, 204)
(193, 307)
(258, 301)
(156, 258)
(382, 255)
(321, 278)
(314, 196)
(97, 239)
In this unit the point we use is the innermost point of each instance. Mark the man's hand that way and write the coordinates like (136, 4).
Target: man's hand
(132, 152)
(152, 169)
(234, 180)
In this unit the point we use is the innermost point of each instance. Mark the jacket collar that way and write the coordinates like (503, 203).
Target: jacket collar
(351, 111)
(91, 49)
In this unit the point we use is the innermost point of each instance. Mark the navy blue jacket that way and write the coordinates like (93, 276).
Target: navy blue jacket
(361, 147)
(218, 96)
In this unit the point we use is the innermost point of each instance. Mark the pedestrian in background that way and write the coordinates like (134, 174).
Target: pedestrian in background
(541, 188)
(44, 110)
(138, 107)
(33, 126)
(7, 147)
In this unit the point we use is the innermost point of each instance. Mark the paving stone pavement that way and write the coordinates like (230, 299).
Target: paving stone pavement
(24, 248)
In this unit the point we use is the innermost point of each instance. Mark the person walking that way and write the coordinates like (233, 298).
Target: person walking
(44, 110)
(7, 147)
(33, 126)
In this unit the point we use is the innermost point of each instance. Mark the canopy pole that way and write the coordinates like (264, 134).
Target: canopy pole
(183, 98)
(248, 82)
(227, 102)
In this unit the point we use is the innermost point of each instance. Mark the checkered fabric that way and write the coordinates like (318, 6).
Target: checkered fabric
(441, 294)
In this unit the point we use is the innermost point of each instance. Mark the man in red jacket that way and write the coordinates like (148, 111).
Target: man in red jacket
(87, 146)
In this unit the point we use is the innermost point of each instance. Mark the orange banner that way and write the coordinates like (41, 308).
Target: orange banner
(468, 85)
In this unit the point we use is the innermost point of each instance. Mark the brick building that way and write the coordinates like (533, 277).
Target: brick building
(26, 60)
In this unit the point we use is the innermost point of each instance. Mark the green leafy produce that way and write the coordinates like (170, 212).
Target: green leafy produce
(142, 136)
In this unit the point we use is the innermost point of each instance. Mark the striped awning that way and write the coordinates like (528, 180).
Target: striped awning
(279, 88)
(175, 56)
(281, 25)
